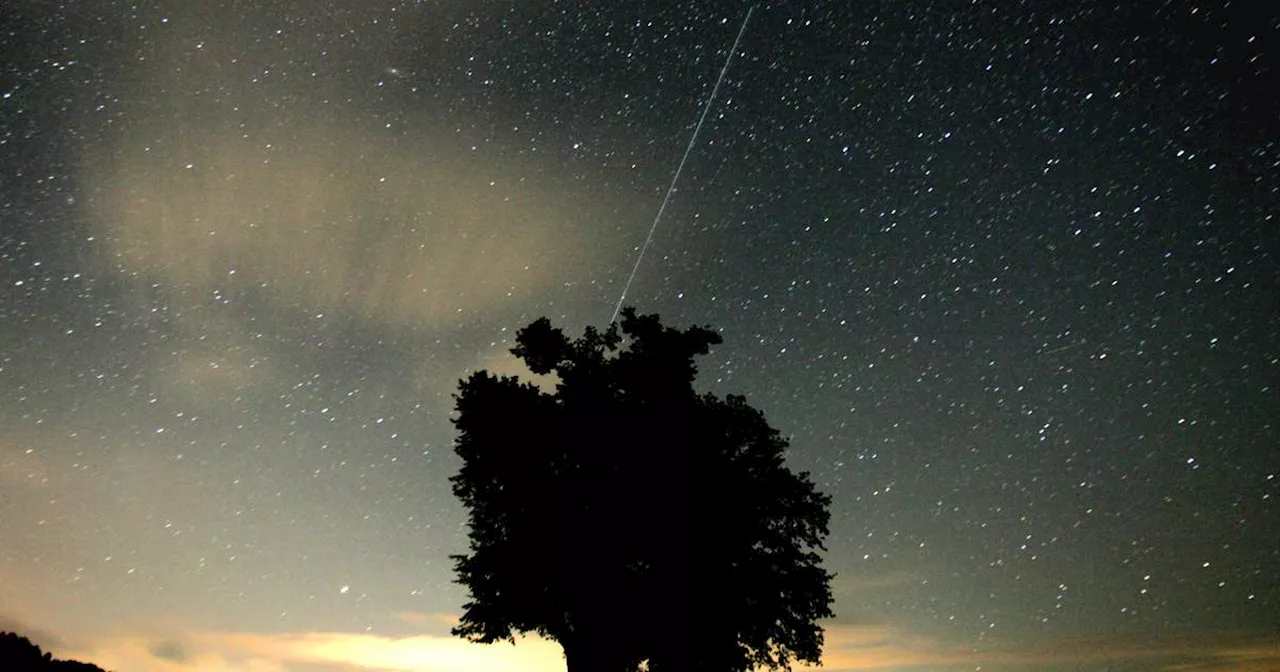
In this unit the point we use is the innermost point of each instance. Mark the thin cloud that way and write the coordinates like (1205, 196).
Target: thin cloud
(41, 638)
(423, 653)
(430, 623)
(849, 648)
(353, 652)
(881, 647)
(139, 654)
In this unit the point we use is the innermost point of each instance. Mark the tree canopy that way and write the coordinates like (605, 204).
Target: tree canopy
(631, 519)
(19, 654)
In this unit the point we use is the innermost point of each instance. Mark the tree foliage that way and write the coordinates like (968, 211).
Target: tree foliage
(19, 654)
(628, 517)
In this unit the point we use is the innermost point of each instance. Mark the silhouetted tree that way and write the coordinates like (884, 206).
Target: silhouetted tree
(629, 518)
(19, 654)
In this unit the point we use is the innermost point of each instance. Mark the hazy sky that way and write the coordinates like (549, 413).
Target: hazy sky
(1006, 274)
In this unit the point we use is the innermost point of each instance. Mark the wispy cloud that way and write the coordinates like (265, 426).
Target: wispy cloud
(8, 623)
(333, 216)
(849, 648)
(353, 652)
(430, 623)
(143, 654)
(884, 647)
(425, 653)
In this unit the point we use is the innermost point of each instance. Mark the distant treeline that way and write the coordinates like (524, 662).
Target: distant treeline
(19, 654)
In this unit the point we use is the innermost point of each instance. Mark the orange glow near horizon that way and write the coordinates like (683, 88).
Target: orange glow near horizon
(848, 649)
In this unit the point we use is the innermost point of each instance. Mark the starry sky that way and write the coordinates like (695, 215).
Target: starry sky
(1004, 272)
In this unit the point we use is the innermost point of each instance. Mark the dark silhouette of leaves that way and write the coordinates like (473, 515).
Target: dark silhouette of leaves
(19, 654)
(631, 519)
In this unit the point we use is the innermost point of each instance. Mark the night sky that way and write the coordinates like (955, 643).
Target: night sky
(1005, 273)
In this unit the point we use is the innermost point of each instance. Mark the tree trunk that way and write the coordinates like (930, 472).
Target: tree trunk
(591, 657)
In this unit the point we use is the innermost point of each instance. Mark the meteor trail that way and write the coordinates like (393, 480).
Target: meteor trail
(687, 150)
